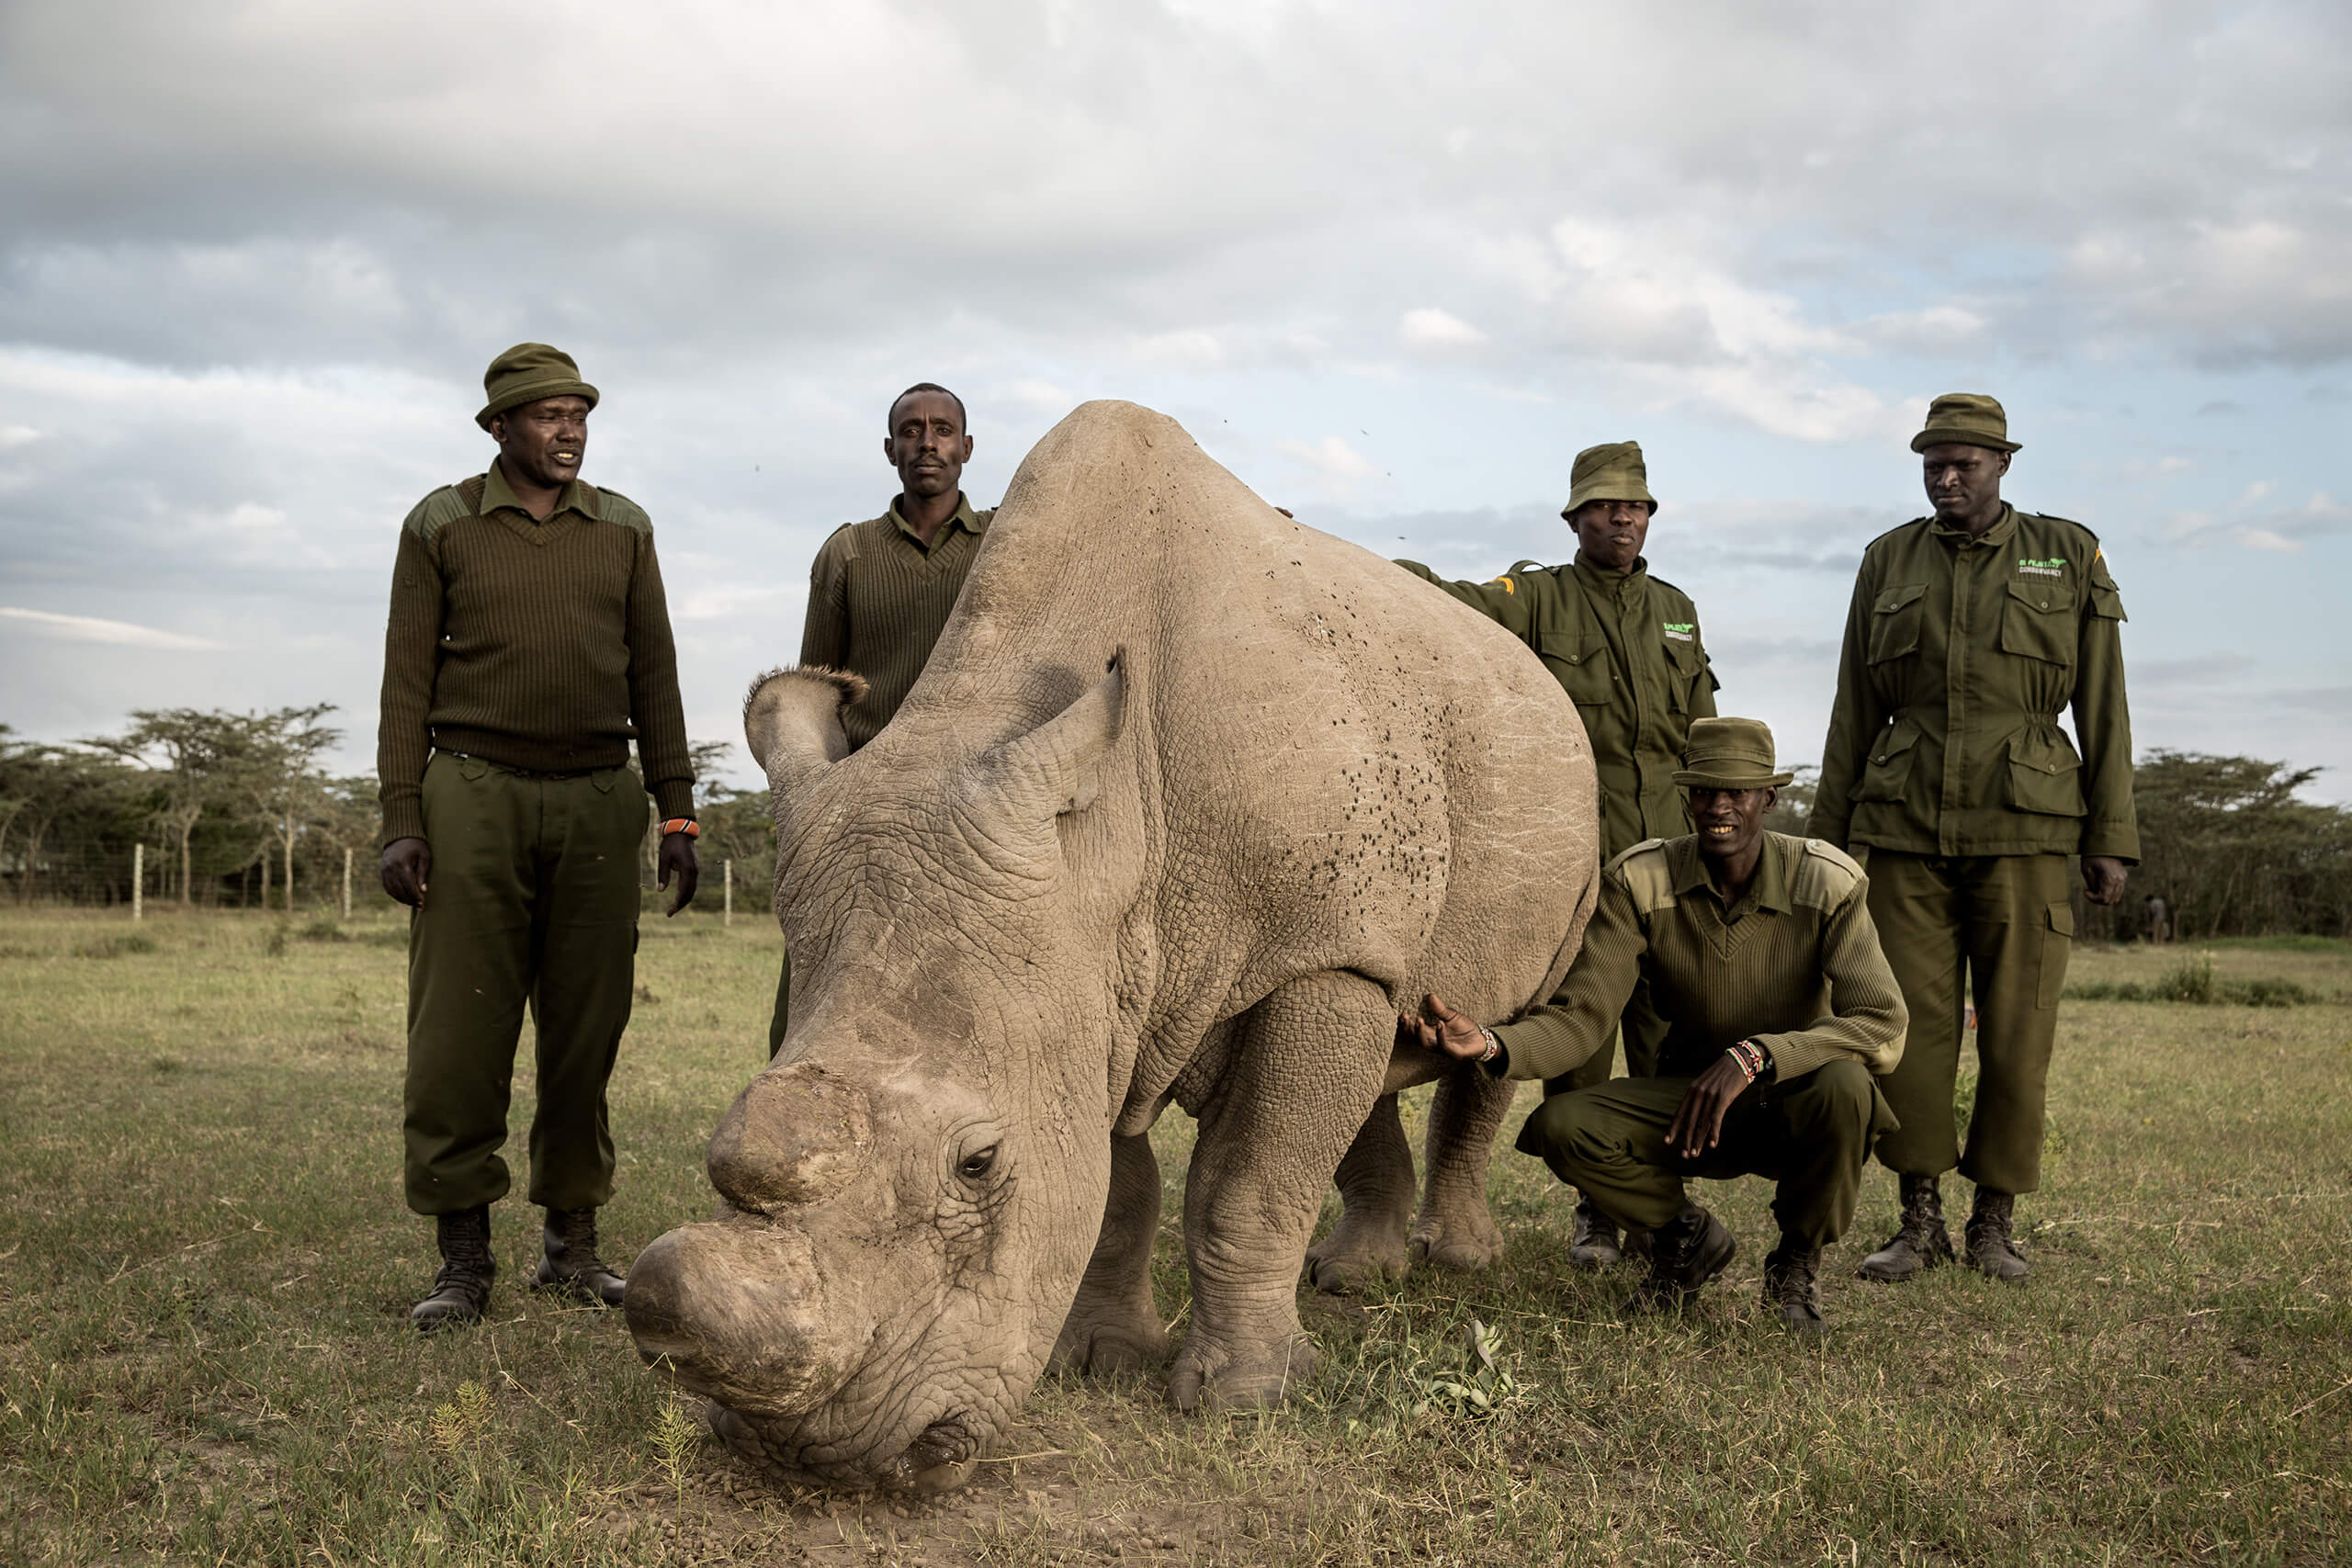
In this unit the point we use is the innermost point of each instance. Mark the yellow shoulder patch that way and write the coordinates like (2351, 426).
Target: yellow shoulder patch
(1509, 586)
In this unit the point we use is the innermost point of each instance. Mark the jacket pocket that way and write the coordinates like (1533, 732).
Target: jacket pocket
(1686, 665)
(2037, 621)
(2057, 942)
(1895, 621)
(1581, 665)
(1888, 770)
(2045, 775)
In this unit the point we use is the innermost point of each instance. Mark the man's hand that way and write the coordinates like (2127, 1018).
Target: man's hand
(406, 863)
(1699, 1121)
(1439, 1028)
(2103, 879)
(677, 858)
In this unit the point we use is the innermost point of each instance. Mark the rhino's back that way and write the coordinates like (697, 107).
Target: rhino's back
(1341, 766)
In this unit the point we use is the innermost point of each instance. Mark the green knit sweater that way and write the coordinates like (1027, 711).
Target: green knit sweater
(878, 598)
(542, 646)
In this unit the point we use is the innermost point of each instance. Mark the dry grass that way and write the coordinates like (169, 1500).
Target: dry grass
(202, 1357)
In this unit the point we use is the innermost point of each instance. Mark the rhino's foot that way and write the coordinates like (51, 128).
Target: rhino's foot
(1105, 1343)
(1211, 1378)
(1466, 1242)
(1351, 1261)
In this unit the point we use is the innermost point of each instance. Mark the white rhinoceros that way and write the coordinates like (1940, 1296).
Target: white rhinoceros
(1047, 900)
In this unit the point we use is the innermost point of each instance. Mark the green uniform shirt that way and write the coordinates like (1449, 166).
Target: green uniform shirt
(878, 598)
(536, 644)
(1960, 655)
(1795, 966)
(1625, 647)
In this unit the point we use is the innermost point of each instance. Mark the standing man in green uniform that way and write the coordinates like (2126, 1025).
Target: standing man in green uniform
(1945, 771)
(1781, 1013)
(881, 591)
(528, 643)
(1625, 646)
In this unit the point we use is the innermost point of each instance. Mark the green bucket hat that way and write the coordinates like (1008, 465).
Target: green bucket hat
(1613, 471)
(1729, 753)
(527, 373)
(1965, 419)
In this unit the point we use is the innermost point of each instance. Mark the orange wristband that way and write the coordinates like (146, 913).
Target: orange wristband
(685, 825)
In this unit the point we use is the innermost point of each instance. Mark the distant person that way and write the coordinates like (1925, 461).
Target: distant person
(1972, 631)
(881, 591)
(1626, 649)
(1781, 1017)
(2157, 917)
(528, 644)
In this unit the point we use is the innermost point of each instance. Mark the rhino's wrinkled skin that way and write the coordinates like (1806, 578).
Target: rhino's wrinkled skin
(1190, 799)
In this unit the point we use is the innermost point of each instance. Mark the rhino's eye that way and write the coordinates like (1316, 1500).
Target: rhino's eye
(976, 1165)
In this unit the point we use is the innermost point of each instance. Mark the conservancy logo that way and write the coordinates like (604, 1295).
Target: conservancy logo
(2054, 566)
(1680, 631)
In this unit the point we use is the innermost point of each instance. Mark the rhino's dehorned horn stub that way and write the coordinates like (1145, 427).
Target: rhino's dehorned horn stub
(791, 721)
(796, 1135)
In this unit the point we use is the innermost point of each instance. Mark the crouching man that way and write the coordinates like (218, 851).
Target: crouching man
(1780, 1012)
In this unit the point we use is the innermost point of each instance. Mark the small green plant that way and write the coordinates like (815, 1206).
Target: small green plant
(460, 1428)
(275, 945)
(2195, 981)
(675, 1436)
(325, 929)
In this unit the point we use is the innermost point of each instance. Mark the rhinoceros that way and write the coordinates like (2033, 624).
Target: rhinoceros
(1191, 800)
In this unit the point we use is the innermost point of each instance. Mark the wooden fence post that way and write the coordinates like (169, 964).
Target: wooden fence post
(138, 882)
(727, 877)
(346, 882)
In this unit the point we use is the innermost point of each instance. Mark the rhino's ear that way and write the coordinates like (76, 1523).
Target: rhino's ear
(1021, 785)
(791, 721)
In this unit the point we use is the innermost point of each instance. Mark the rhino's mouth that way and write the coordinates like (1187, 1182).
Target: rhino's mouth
(941, 1456)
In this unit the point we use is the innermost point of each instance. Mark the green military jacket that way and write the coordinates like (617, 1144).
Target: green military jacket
(1626, 649)
(1795, 965)
(1960, 655)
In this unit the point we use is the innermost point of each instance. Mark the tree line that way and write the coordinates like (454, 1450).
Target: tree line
(238, 809)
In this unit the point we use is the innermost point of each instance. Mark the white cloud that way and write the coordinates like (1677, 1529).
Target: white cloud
(1191, 349)
(92, 628)
(1339, 471)
(1438, 331)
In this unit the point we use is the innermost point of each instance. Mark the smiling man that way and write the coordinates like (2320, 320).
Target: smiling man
(1626, 647)
(881, 591)
(1971, 632)
(528, 644)
(1780, 1012)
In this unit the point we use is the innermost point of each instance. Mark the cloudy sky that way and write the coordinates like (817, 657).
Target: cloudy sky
(1392, 264)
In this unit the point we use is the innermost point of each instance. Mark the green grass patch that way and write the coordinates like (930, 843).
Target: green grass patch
(2197, 981)
(203, 1356)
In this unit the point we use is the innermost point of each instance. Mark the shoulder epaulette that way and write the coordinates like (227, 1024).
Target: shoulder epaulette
(1828, 870)
(438, 510)
(1642, 870)
(1898, 528)
(2054, 517)
(618, 508)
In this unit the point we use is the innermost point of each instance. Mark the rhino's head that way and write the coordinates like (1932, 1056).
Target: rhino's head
(912, 1187)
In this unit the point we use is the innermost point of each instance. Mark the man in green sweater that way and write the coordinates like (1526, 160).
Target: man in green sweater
(881, 591)
(1782, 1016)
(1625, 646)
(528, 644)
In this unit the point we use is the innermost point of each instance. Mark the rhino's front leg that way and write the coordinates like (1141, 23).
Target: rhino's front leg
(1455, 1229)
(1306, 1067)
(1113, 1326)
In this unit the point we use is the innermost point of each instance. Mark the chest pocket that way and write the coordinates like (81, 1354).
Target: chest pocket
(1892, 755)
(2038, 620)
(1686, 665)
(1581, 665)
(1895, 621)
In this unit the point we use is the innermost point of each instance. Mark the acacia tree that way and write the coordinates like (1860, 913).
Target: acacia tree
(43, 783)
(188, 750)
(271, 764)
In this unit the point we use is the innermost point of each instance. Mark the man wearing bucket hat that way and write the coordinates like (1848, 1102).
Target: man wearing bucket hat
(1782, 1016)
(1626, 647)
(1972, 631)
(528, 644)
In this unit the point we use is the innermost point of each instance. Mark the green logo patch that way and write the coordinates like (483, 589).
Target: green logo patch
(2054, 566)
(1680, 630)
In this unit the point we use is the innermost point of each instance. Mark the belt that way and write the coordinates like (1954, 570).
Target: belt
(533, 773)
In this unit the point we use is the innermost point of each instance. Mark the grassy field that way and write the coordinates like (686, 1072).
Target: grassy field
(204, 1264)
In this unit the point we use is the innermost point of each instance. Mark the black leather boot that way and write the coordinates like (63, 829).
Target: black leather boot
(1992, 1252)
(571, 1265)
(1793, 1283)
(1922, 1241)
(1594, 1243)
(460, 1292)
(1685, 1253)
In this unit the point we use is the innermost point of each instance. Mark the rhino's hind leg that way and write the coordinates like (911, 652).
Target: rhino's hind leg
(1113, 1326)
(1306, 1067)
(1454, 1229)
(1375, 1181)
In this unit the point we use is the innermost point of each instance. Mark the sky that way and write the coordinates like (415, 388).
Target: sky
(1392, 264)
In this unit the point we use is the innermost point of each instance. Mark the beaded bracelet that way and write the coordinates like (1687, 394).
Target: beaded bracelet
(1748, 1056)
(1494, 1045)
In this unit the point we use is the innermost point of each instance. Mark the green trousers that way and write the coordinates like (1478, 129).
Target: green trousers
(531, 901)
(1642, 1029)
(1812, 1136)
(2004, 923)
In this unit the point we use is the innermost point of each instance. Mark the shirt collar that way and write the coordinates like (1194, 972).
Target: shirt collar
(2003, 527)
(1610, 581)
(575, 497)
(964, 518)
(1769, 890)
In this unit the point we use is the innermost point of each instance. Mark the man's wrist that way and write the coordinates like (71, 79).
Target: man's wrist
(1750, 1058)
(685, 825)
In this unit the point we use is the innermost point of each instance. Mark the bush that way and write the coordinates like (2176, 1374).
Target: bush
(116, 946)
(2193, 981)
